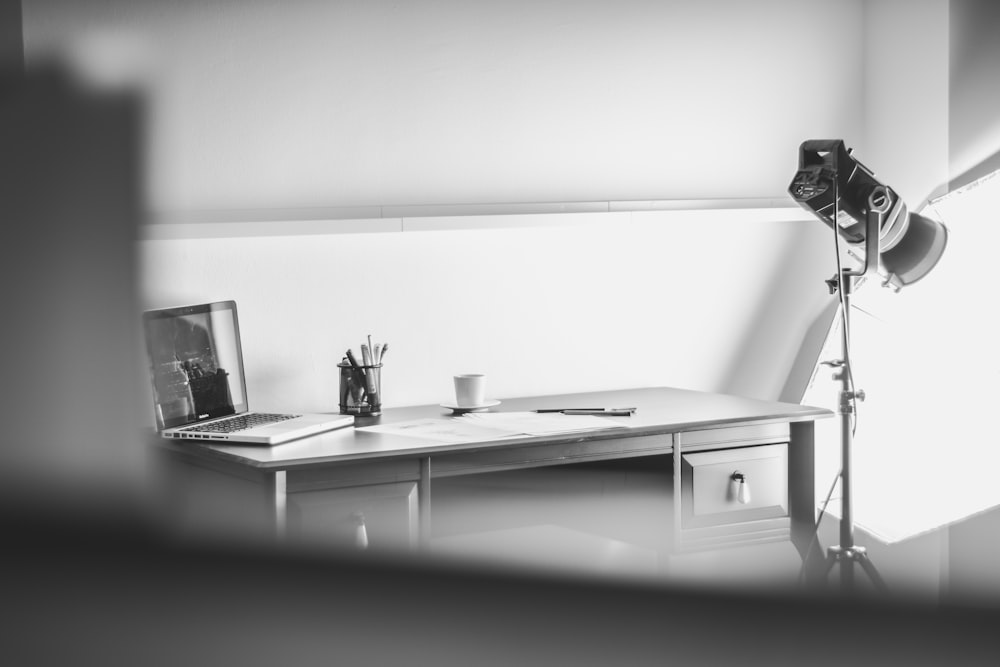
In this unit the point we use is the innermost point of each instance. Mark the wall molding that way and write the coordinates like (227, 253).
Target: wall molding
(452, 217)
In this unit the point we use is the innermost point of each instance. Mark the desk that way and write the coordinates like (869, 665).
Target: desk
(704, 437)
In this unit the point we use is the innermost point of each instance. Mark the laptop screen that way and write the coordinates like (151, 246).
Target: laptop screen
(195, 362)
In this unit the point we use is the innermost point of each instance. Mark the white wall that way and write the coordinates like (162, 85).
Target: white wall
(906, 97)
(310, 103)
(639, 300)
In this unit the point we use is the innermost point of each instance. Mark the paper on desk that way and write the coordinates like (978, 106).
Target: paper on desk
(443, 430)
(482, 426)
(535, 423)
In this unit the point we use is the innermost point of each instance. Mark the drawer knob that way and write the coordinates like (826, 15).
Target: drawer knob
(743, 489)
(360, 531)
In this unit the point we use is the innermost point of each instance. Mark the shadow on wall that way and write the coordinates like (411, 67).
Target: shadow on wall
(974, 97)
(772, 334)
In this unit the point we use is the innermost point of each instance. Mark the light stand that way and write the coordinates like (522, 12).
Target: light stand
(903, 247)
(847, 553)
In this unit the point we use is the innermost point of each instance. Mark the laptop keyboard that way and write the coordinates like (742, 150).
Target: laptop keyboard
(240, 422)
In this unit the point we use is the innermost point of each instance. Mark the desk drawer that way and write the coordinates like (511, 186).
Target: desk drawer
(735, 436)
(710, 487)
(577, 448)
(330, 516)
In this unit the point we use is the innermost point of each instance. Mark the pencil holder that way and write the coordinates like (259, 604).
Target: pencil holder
(360, 389)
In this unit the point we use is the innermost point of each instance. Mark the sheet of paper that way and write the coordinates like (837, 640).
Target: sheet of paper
(534, 423)
(443, 430)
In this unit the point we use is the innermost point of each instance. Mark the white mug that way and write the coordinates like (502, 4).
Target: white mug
(470, 390)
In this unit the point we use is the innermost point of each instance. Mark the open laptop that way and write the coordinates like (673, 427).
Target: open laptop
(199, 387)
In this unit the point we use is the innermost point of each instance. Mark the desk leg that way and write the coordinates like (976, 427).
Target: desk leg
(424, 502)
(214, 498)
(675, 533)
(274, 485)
(802, 498)
(673, 539)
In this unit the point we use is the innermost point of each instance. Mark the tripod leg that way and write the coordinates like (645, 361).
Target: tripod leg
(831, 562)
(836, 556)
(847, 574)
(869, 568)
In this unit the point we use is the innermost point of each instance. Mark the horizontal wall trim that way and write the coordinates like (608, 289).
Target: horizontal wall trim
(381, 219)
(207, 230)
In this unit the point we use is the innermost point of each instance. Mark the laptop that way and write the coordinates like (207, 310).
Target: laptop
(199, 386)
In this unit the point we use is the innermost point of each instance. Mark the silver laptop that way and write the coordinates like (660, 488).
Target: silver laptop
(199, 387)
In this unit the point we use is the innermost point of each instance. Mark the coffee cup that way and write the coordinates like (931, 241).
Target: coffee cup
(470, 390)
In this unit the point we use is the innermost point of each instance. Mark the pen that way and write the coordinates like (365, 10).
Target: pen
(358, 375)
(369, 374)
(590, 411)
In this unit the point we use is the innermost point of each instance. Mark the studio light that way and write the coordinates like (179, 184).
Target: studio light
(900, 245)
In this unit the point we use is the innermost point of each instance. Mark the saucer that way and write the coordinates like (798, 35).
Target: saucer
(459, 409)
